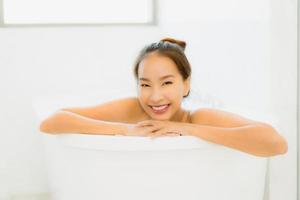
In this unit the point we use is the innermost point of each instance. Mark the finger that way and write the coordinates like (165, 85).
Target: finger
(144, 123)
(153, 129)
(164, 132)
(172, 134)
(149, 122)
(147, 130)
(157, 133)
(150, 128)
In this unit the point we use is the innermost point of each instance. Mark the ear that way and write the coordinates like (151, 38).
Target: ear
(187, 85)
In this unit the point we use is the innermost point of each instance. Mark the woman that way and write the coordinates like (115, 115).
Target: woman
(163, 76)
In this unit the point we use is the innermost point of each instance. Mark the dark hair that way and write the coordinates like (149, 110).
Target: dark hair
(171, 48)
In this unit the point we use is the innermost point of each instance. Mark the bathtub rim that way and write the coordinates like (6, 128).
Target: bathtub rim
(133, 143)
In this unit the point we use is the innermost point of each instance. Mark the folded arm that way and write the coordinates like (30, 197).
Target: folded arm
(68, 122)
(259, 139)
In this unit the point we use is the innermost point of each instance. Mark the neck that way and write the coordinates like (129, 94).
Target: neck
(179, 116)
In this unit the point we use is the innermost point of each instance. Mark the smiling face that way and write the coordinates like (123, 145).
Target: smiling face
(161, 87)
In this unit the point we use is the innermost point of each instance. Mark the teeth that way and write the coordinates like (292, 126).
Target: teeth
(159, 107)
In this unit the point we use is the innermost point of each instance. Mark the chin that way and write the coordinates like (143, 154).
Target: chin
(161, 118)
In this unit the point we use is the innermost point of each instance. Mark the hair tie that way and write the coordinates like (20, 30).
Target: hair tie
(181, 43)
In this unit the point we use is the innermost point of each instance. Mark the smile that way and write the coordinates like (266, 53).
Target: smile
(160, 109)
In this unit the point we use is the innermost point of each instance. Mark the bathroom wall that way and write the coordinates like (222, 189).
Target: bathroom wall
(283, 51)
(243, 55)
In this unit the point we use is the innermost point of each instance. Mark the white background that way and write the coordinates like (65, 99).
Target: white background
(244, 59)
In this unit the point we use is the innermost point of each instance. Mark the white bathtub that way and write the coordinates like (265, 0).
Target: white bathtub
(101, 167)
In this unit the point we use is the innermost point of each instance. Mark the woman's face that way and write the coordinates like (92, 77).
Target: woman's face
(160, 87)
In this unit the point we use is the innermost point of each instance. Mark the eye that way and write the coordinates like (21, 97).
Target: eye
(144, 85)
(168, 82)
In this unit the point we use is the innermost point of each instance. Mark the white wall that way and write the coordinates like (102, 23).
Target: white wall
(243, 55)
(283, 63)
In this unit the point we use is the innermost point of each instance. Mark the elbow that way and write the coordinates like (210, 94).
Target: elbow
(51, 124)
(45, 127)
(275, 143)
(280, 146)
(279, 143)
(275, 148)
(57, 123)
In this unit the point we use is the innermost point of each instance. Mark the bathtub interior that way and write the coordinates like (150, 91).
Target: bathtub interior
(121, 167)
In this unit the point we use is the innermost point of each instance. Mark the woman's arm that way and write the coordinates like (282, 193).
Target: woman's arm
(227, 129)
(68, 122)
(258, 139)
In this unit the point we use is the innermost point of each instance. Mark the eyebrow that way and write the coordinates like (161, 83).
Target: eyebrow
(161, 78)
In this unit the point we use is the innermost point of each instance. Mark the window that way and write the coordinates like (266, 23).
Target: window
(39, 12)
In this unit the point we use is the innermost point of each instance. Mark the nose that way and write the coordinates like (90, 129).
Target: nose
(156, 96)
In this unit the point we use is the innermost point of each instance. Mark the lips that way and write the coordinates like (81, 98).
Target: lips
(159, 109)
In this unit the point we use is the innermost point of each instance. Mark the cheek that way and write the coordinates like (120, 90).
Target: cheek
(143, 93)
(143, 96)
(175, 92)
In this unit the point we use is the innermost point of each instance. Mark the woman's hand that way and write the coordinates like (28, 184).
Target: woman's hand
(136, 130)
(155, 128)
(159, 128)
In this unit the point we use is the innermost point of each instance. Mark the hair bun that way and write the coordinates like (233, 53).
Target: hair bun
(181, 43)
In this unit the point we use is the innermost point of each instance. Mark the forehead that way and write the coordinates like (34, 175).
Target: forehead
(154, 65)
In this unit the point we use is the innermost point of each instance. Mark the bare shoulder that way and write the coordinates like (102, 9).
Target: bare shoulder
(217, 117)
(120, 110)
